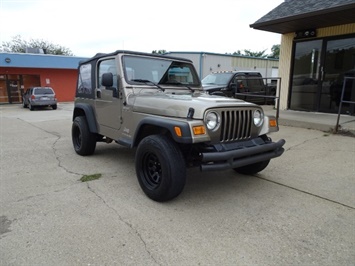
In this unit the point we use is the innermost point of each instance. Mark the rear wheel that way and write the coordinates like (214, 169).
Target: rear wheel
(252, 169)
(84, 141)
(54, 107)
(24, 104)
(31, 106)
(160, 168)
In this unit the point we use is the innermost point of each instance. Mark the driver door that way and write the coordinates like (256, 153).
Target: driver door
(108, 102)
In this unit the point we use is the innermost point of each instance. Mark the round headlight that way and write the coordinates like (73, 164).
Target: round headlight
(212, 121)
(258, 118)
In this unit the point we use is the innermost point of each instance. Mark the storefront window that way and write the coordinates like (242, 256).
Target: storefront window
(319, 68)
(12, 86)
(306, 70)
(3, 91)
(339, 63)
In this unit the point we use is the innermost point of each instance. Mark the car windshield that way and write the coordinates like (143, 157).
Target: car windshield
(217, 79)
(159, 71)
(39, 91)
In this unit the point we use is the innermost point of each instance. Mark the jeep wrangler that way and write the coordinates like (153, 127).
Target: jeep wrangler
(156, 104)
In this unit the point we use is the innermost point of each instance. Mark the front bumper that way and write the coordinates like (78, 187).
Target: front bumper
(241, 154)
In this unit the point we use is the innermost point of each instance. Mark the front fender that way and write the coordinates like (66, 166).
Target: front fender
(168, 124)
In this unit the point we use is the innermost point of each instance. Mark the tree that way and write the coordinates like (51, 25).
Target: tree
(159, 52)
(247, 52)
(275, 51)
(19, 45)
(237, 53)
(255, 54)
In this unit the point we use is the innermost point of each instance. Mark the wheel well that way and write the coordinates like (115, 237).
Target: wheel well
(147, 130)
(78, 112)
(86, 110)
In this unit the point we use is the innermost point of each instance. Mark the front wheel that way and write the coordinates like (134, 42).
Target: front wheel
(160, 168)
(84, 141)
(252, 169)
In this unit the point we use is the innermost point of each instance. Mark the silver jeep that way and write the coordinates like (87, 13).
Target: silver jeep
(156, 104)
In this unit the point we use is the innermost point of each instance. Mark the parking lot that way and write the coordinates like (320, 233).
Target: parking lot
(298, 211)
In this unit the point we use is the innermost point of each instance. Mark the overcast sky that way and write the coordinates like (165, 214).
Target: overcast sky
(88, 27)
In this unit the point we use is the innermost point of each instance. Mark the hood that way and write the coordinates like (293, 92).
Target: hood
(178, 105)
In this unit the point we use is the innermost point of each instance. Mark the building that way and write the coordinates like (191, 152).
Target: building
(205, 63)
(19, 71)
(317, 52)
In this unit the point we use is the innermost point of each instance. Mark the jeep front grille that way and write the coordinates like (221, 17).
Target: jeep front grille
(236, 125)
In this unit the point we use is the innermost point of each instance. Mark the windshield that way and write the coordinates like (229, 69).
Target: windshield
(217, 79)
(159, 71)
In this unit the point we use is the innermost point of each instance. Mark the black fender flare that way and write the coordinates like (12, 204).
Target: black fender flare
(167, 124)
(88, 111)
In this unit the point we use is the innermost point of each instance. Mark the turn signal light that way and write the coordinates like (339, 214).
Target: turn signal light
(178, 131)
(272, 123)
(199, 130)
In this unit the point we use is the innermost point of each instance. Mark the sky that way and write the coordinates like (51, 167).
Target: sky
(89, 27)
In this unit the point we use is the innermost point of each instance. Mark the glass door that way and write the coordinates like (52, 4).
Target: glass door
(306, 75)
(339, 63)
(13, 88)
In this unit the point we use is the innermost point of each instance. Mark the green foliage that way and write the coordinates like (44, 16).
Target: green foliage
(159, 52)
(247, 52)
(86, 178)
(19, 45)
(275, 49)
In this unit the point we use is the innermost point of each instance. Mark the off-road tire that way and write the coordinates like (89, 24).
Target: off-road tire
(84, 141)
(252, 169)
(160, 168)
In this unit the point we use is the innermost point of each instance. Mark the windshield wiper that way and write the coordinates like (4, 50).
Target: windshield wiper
(146, 81)
(179, 83)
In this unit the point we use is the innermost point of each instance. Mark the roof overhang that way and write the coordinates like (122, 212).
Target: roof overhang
(318, 19)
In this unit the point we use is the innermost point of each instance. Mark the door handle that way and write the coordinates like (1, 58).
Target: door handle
(98, 93)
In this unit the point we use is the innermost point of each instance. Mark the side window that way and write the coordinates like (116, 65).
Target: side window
(106, 66)
(84, 81)
(240, 81)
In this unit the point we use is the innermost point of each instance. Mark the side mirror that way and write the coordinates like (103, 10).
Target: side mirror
(107, 82)
(233, 86)
(107, 79)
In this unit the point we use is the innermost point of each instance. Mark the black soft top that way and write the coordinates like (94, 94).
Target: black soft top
(100, 55)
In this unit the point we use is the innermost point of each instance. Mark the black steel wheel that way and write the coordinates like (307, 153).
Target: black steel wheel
(160, 168)
(84, 141)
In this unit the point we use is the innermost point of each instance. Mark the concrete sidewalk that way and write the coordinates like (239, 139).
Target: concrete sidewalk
(310, 120)
(313, 120)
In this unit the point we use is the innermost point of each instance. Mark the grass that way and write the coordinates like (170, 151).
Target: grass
(86, 178)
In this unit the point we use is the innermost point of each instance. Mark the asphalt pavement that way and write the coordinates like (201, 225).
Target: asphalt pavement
(299, 211)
